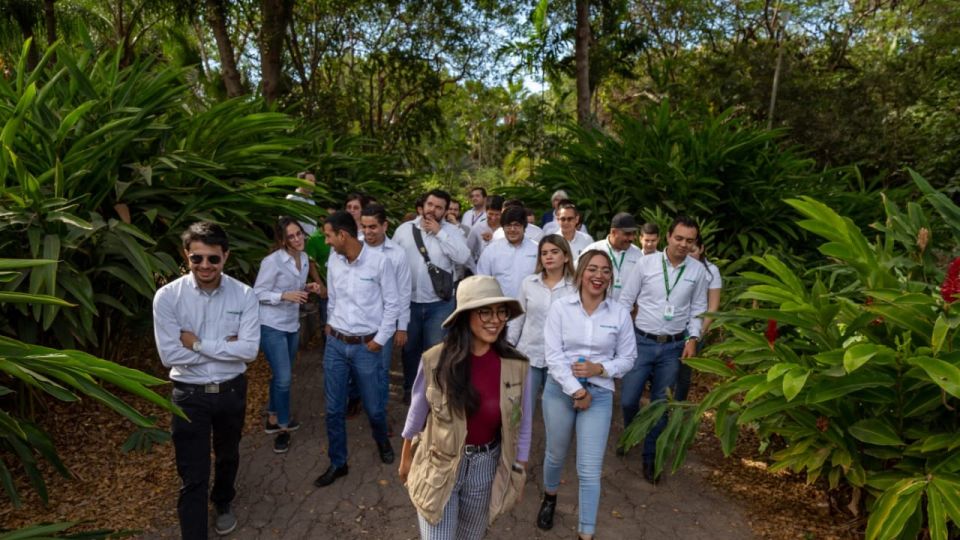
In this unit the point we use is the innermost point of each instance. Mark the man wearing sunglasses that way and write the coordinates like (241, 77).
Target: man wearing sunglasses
(207, 330)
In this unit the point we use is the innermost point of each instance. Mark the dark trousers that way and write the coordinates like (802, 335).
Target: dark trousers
(221, 415)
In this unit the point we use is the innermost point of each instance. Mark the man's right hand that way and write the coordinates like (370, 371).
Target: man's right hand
(486, 236)
(430, 225)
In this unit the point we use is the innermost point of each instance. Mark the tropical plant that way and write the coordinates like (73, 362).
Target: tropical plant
(856, 379)
(62, 374)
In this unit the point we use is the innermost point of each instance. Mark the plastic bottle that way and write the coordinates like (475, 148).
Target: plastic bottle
(583, 380)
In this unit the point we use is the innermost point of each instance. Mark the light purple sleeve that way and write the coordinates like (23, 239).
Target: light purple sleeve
(526, 419)
(417, 414)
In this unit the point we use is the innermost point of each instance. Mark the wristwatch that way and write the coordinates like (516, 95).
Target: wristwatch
(196, 346)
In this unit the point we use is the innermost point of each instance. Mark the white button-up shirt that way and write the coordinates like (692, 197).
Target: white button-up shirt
(604, 337)
(362, 296)
(473, 217)
(578, 245)
(476, 244)
(445, 249)
(230, 310)
(623, 261)
(714, 281)
(526, 331)
(398, 258)
(278, 274)
(645, 286)
(508, 263)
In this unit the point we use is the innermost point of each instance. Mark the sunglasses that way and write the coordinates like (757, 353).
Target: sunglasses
(197, 259)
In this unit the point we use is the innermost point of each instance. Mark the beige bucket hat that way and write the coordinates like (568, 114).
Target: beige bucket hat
(478, 291)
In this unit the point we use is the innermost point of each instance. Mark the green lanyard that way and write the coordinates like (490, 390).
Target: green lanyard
(613, 259)
(666, 280)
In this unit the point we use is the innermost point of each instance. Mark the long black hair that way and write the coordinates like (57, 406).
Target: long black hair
(453, 369)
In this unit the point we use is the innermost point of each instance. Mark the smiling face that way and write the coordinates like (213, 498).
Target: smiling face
(293, 238)
(206, 263)
(487, 322)
(597, 275)
(493, 218)
(513, 232)
(374, 232)
(334, 239)
(680, 242)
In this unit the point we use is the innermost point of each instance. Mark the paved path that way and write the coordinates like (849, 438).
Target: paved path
(276, 497)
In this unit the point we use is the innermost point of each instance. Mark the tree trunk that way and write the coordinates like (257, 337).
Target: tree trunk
(50, 21)
(582, 58)
(217, 19)
(276, 16)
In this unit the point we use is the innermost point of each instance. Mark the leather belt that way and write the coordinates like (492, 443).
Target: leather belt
(352, 340)
(211, 388)
(470, 449)
(663, 339)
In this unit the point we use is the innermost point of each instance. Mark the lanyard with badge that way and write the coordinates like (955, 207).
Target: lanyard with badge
(668, 311)
(616, 265)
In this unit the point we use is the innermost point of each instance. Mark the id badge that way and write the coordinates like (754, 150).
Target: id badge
(616, 283)
(668, 313)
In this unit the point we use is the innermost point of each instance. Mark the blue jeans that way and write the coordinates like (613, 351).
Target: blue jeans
(280, 348)
(340, 361)
(592, 427)
(658, 362)
(423, 332)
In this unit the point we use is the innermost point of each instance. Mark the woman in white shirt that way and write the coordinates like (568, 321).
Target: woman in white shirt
(714, 286)
(552, 279)
(588, 341)
(281, 287)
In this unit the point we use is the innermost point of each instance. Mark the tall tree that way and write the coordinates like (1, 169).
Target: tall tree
(276, 15)
(582, 55)
(216, 14)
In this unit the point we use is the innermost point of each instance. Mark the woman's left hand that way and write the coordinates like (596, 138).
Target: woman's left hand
(585, 370)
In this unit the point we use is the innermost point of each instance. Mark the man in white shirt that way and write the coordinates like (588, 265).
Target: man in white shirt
(670, 292)
(532, 232)
(477, 214)
(445, 248)
(363, 311)
(649, 238)
(207, 330)
(373, 220)
(482, 233)
(567, 217)
(619, 246)
(512, 258)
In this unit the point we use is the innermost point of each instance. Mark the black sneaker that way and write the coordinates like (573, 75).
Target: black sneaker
(545, 515)
(648, 473)
(270, 428)
(226, 521)
(282, 443)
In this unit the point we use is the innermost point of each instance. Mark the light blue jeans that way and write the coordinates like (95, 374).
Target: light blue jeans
(591, 427)
(280, 348)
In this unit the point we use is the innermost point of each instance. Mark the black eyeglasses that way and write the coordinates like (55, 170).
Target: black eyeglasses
(486, 314)
(197, 259)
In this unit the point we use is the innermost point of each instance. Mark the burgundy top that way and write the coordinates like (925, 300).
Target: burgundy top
(483, 425)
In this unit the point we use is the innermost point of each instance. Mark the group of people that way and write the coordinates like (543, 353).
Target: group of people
(492, 313)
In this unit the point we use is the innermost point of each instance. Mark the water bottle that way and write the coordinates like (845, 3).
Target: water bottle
(583, 380)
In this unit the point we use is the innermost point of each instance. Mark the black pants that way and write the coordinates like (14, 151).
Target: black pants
(221, 414)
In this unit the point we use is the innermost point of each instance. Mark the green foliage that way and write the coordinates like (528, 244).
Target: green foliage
(62, 374)
(861, 381)
(103, 166)
(718, 166)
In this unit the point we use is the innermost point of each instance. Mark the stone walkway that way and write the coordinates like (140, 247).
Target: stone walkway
(276, 497)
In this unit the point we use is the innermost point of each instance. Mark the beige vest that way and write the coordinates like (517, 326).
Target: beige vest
(437, 450)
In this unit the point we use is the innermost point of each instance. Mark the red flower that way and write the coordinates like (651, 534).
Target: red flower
(771, 332)
(951, 283)
(823, 423)
(729, 363)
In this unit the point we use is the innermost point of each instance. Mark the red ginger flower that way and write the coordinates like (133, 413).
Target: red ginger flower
(771, 332)
(951, 283)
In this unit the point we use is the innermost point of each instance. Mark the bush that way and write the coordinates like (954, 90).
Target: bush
(856, 368)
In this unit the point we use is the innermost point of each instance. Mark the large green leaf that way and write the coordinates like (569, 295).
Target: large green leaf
(875, 431)
(892, 510)
(944, 374)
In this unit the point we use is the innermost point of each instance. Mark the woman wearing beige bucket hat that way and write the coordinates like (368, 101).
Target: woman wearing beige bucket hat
(467, 434)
